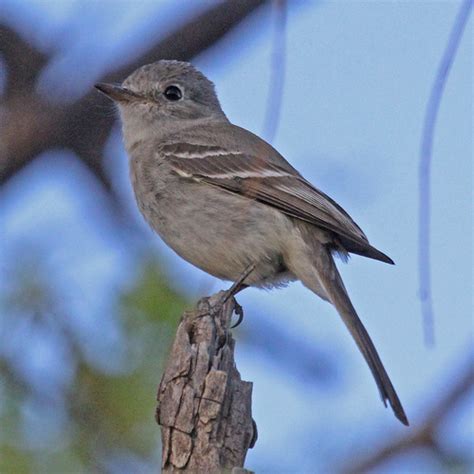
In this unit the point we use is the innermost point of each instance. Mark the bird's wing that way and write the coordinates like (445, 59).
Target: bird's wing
(266, 182)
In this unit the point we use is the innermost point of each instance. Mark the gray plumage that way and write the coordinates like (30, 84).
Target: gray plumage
(223, 199)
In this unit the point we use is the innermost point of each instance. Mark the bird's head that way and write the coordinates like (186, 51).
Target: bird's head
(163, 95)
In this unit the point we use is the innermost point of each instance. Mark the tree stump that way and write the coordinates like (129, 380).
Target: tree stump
(204, 407)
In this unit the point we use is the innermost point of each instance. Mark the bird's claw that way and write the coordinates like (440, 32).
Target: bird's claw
(239, 312)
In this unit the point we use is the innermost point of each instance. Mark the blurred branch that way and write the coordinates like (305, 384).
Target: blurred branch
(23, 61)
(199, 34)
(205, 409)
(313, 363)
(426, 435)
(431, 116)
(30, 125)
(277, 79)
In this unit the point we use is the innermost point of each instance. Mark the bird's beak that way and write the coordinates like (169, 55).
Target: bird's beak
(117, 92)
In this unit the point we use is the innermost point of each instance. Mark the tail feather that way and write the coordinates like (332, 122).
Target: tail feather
(364, 249)
(332, 283)
(372, 252)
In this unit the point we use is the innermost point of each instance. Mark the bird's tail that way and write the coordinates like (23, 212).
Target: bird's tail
(331, 282)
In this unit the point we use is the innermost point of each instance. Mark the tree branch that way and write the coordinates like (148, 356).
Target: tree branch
(424, 172)
(204, 406)
(278, 69)
(425, 435)
(196, 36)
(24, 61)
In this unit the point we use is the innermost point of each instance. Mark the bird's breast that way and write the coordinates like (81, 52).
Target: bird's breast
(215, 230)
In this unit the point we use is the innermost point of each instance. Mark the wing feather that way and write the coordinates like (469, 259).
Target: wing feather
(271, 184)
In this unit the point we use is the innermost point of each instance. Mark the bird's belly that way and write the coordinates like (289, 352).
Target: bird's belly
(219, 232)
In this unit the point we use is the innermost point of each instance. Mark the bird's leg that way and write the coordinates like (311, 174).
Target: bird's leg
(238, 285)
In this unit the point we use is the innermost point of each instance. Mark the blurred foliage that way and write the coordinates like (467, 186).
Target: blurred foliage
(102, 415)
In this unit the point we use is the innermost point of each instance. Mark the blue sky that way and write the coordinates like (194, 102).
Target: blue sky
(357, 81)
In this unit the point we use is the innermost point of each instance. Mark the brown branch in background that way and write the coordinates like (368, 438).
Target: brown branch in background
(424, 436)
(29, 125)
(205, 409)
(277, 77)
(199, 34)
(431, 116)
(23, 61)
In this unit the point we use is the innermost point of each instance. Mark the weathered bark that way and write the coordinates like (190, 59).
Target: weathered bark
(204, 407)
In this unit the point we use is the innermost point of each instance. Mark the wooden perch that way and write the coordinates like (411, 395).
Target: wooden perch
(204, 407)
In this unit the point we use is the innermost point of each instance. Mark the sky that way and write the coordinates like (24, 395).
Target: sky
(357, 80)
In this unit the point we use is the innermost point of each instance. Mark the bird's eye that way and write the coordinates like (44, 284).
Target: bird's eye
(173, 93)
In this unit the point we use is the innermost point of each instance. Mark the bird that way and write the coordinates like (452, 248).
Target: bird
(224, 199)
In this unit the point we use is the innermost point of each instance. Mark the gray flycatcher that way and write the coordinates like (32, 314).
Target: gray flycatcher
(223, 199)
